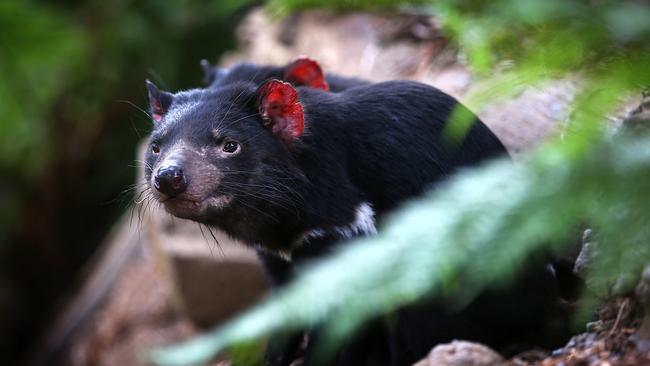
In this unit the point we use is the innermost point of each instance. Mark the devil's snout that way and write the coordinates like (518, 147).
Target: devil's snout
(170, 180)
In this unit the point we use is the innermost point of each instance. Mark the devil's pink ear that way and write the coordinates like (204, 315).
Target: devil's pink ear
(304, 71)
(159, 101)
(281, 110)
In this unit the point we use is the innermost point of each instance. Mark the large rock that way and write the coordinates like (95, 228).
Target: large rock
(213, 277)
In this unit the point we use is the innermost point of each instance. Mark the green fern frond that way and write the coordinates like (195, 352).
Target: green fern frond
(488, 219)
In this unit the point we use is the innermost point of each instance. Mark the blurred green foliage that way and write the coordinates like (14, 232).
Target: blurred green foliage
(491, 219)
(284, 7)
(40, 50)
(549, 36)
(72, 92)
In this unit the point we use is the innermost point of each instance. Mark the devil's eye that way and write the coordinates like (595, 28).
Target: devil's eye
(230, 147)
(155, 148)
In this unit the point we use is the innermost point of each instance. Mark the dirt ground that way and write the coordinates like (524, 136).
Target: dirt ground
(613, 340)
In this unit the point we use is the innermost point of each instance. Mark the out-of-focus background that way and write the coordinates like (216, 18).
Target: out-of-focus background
(72, 89)
(87, 276)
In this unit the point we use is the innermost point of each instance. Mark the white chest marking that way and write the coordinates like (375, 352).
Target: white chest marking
(363, 224)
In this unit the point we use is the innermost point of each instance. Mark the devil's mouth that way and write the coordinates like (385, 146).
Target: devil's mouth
(174, 200)
(193, 209)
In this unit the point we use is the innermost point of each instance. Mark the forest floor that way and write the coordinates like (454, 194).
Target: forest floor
(615, 339)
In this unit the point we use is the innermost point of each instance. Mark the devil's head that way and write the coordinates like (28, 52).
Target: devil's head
(215, 150)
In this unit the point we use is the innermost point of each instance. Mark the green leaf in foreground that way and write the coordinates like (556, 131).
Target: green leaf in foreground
(488, 220)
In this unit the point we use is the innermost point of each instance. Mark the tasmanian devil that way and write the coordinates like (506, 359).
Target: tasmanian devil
(293, 171)
(303, 71)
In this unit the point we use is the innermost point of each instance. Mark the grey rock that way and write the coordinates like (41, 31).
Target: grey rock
(643, 288)
(587, 252)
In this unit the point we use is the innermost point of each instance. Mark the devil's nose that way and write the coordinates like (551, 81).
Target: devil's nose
(170, 180)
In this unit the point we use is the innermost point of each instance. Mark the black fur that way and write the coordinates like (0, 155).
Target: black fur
(381, 144)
